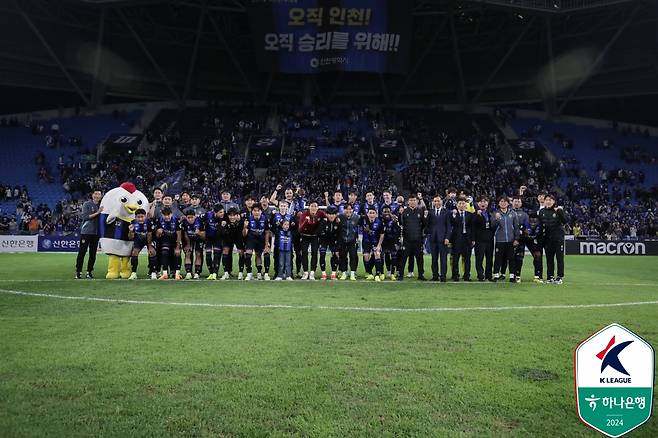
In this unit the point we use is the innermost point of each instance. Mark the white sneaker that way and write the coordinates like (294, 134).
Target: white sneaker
(133, 276)
(266, 277)
(279, 279)
(311, 276)
(289, 279)
(249, 277)
(226, 276)
(259, 276)
(352, 276)
(305, 276)
(196, 276)
(240, 276)
(410, 274)
(154, 276)
(188, 276)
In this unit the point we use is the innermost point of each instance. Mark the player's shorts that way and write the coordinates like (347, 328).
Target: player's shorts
(390, 246)
(194, 244)
(331, 247)
(534, 247)
(139, 244)
(234, 239)
(167, 242)
(213, 241)
(367, 246)
(256, 244)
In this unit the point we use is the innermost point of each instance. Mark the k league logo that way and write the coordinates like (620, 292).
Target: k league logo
(614, 377)
(46, 243)
(610, 357)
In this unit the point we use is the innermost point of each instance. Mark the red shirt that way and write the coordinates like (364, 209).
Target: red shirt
(307, 224)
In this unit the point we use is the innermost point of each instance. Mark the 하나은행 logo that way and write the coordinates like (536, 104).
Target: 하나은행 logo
(614, 378)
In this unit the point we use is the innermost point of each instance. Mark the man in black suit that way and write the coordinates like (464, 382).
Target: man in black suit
(462, 239)
(484, 240)
(440, 227)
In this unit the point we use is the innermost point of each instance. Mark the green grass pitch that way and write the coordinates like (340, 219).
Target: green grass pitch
(472, 360)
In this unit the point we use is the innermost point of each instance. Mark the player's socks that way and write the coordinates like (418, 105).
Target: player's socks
(379, 268)
(134, 260)
(210, 262)
(153, 261)
(334, 263)
(217, 259)
(367, 265)
(323, 261)
(537, 263)
(165, 260)
(259, 269)
(227, 262)
(266, 262)
(188, 268)
(198, 269)
(246, 260)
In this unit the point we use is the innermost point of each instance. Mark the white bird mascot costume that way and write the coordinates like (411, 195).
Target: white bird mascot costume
(119, 206)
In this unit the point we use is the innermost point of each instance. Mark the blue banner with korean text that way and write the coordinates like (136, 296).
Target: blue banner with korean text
(313, 36)
(69, 243)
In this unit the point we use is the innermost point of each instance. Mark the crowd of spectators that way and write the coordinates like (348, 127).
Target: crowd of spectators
(26, 218)
(612, 203)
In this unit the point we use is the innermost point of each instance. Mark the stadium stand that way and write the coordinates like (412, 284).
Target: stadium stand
(608, 174)
(211, 148)
(45, 157)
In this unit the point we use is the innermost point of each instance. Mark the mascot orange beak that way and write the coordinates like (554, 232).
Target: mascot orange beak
(131, 208)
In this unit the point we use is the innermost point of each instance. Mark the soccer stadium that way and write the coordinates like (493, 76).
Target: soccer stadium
(328, 218)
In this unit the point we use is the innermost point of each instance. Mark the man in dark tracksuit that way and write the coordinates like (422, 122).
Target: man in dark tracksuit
(484, 240)
(413, 221)
(462, 239)
(535, 244)
(348, 233)
(552, 221)
(524, 224)
(439, 226)
(89, 234)
(506, 229)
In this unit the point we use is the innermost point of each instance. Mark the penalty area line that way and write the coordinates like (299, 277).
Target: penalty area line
(323, 307)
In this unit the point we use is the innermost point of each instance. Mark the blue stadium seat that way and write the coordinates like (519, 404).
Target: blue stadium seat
(18, 148)
(585, 140)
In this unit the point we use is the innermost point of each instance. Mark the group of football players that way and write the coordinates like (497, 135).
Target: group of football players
(285, 231)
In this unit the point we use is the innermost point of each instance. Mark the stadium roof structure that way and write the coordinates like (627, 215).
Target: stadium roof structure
(552, 54)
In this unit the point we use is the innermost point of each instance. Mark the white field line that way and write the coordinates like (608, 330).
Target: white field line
(322, 307)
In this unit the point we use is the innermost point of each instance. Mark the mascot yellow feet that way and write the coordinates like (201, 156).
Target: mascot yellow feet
(126, 269)
(113, 267)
